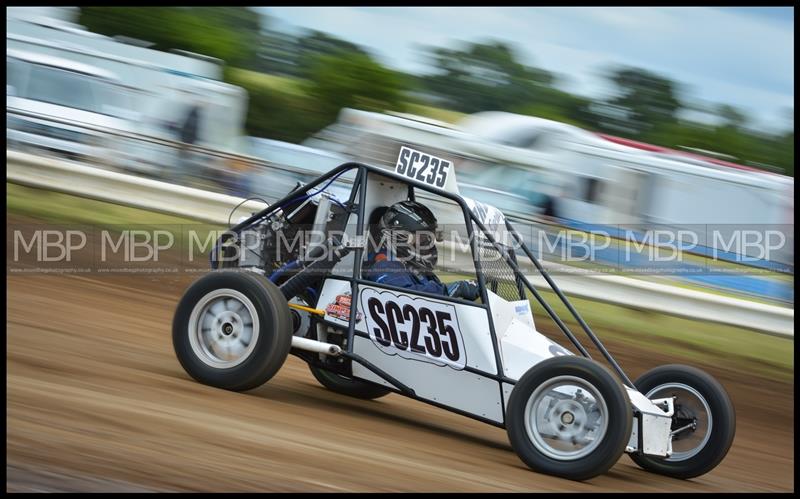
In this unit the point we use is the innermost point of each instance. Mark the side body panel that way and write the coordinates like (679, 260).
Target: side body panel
(433, 346)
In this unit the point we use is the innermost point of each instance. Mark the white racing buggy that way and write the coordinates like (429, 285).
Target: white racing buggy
(274, 292)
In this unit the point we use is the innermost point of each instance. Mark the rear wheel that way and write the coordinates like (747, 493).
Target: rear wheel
(232, 330)
(333, 381)
(348, 386)
(704, 422)
(570, 417)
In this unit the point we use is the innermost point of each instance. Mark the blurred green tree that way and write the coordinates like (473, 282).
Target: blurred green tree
(277, 54)
(285, 54)
(731, 116)
(227, 33)
(478, 77)
(644, 101)
(344, 79)
(774, 152)
(315, 44)
(557, 105)
(281, 115)
(485, 76)
(783, 152)
(352, 79)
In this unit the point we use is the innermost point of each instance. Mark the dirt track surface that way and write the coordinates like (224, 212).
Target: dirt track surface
(97, 401)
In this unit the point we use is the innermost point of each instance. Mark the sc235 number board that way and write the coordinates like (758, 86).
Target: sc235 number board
(423, 167)
(414, 328)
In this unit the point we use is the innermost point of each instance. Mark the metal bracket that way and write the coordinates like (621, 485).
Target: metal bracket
(666, 404)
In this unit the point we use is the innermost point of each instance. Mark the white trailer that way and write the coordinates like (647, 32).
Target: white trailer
(519, 162)
(631, 185)
(599, 181)
(163, 85)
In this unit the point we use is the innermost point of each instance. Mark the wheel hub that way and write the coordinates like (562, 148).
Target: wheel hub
(566, 418)
(223, 328)
(570, 418)
(692, 421)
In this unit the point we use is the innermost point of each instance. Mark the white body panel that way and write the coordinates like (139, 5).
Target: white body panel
(472, 323)
(460, 390)
(521, 346)
(432, 379)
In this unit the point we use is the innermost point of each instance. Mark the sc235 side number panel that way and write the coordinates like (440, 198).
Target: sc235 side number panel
(414, 328)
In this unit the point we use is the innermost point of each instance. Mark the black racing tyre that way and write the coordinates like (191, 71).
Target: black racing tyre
(700, 401)
(348, 386)
(570, 417)
(232, 329)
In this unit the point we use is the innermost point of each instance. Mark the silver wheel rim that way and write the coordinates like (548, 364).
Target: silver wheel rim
(685, 444)
(566, 418)
(223, 328)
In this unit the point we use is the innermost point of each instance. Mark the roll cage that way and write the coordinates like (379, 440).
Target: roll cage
(356, 205)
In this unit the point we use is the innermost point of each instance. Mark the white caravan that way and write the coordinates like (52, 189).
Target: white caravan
(529, 166)
(163, 85)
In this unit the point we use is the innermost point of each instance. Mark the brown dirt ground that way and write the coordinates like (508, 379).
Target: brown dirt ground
(97, 401)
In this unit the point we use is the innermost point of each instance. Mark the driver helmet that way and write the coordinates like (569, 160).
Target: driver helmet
(409, 231)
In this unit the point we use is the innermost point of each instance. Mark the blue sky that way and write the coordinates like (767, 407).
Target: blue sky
(742, 56)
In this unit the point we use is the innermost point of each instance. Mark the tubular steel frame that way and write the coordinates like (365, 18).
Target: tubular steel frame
(359, 190)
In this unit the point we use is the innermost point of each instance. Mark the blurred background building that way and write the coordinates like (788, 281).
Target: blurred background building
(219, 98)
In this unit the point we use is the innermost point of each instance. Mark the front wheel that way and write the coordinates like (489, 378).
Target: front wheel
(232, 330)
(703, 425)
(570, 417)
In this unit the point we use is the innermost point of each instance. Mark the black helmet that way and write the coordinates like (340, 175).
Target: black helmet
(409, 231)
